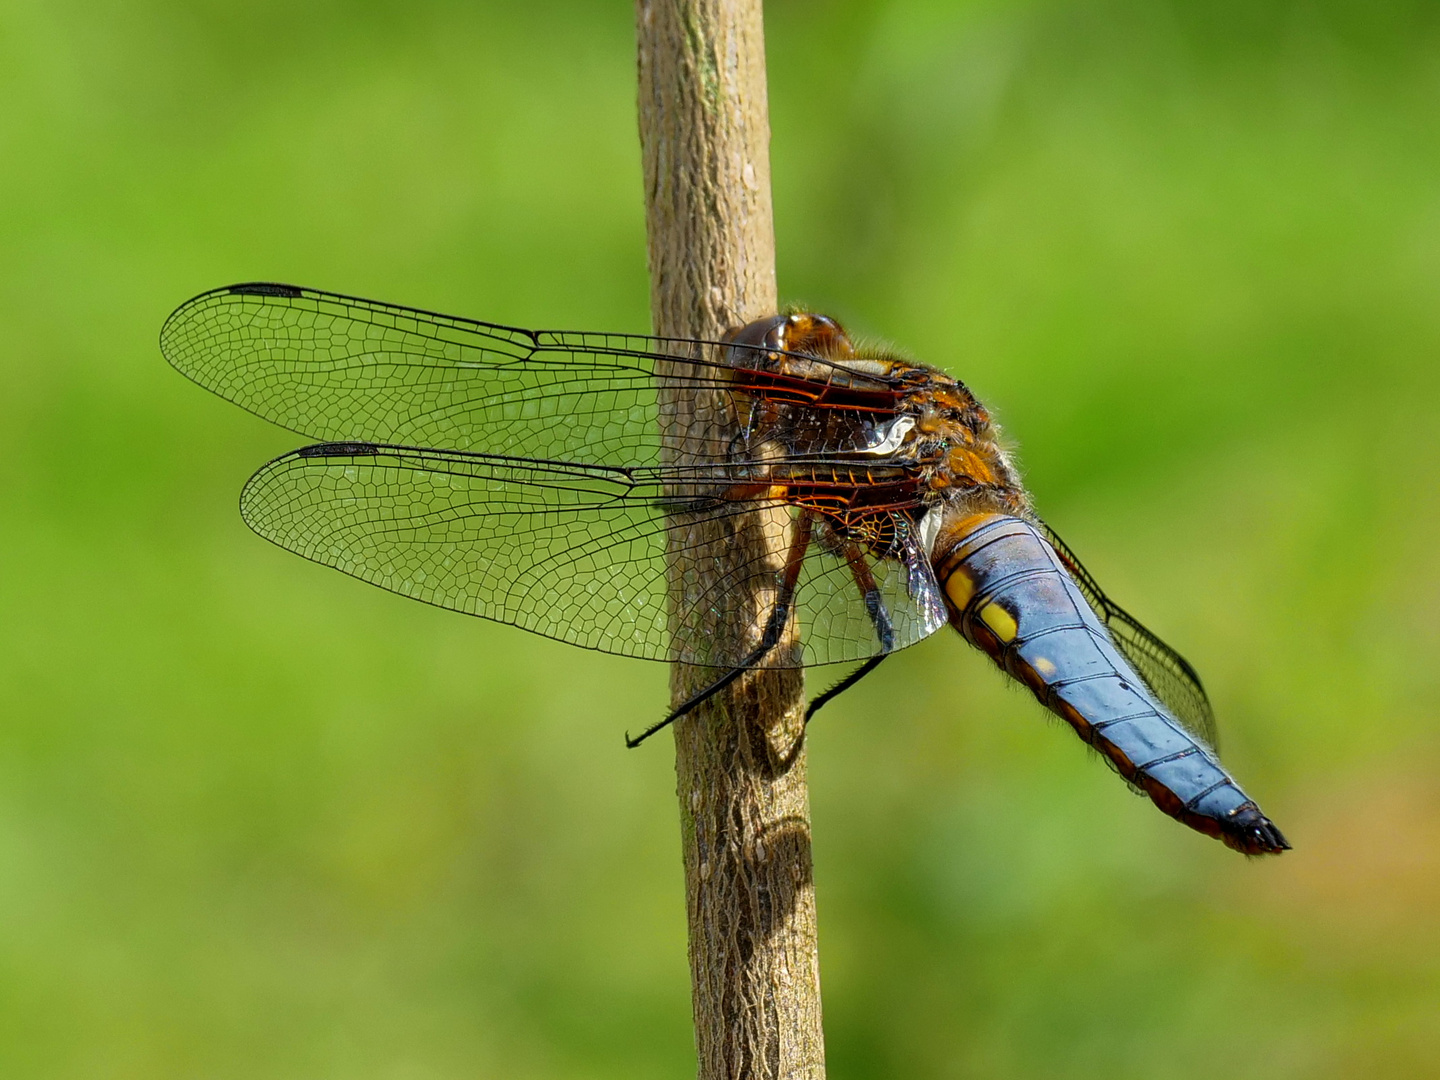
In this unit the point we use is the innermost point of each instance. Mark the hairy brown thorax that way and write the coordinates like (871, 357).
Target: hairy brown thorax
(942, 460)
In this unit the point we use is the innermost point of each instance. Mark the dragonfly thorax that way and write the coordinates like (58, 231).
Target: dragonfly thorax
(918, 416)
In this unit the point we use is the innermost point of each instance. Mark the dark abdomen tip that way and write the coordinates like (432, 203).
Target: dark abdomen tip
(1250, 831)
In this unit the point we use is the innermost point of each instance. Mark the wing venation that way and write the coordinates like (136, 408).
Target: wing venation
(342, 369)
(573, 552)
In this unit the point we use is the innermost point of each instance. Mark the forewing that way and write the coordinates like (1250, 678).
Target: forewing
(339, 368)
(1168, 674)
(572, 552)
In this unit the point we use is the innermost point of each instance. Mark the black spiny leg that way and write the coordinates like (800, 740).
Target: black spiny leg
(884, 629)
(844, 684)
(769, 638)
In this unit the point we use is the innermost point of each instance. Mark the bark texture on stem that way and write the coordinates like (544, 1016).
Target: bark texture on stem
(744, 805)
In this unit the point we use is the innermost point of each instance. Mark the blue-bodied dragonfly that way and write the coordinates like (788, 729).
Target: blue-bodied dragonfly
(536, 479)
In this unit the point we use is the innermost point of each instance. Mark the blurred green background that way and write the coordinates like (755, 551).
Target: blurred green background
(259, 820)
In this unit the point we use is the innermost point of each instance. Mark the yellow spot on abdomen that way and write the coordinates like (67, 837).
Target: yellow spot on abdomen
(960, 588)
(1001, 621)
(1043, 666)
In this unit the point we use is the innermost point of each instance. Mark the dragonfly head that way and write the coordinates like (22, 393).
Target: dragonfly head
(797, 332)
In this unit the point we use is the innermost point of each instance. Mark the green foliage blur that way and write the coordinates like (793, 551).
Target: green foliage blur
(258, 820)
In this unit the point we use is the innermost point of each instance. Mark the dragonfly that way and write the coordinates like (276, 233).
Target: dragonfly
(543, 479)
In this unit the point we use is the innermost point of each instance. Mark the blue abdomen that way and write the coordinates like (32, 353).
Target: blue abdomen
(1011, 595)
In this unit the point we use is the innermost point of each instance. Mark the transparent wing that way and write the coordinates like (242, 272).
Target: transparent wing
(910, 598)
(573, 552)
(1168, 674)
(338, 368)
(921, 584)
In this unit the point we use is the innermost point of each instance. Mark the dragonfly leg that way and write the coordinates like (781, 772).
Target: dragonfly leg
(789, 577)
(884, 628)
(870, 593)
(844, 684)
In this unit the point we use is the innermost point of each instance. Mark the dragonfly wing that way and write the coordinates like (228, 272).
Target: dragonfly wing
(572, 552)
(339, 368)
(1168, 674)
(920, 582)
(910, 600)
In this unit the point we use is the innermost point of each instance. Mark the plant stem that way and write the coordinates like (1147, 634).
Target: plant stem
(740, 762)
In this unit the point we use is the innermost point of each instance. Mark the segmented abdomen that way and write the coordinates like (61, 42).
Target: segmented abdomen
(1011, 596)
